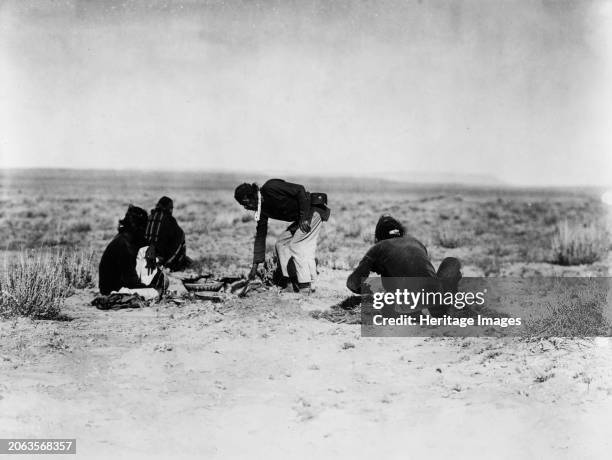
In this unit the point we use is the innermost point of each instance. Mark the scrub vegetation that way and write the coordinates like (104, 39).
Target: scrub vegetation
(69, 217)
(33, 285)
(489, 229)
(264, 362)
(35, 282)
(579, 311)
(579, 243)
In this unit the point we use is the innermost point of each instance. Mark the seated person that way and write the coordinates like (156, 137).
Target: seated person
(118, 264)
(165, 238)
(399, 255)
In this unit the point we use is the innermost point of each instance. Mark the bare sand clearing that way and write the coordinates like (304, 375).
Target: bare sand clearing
(260, 378)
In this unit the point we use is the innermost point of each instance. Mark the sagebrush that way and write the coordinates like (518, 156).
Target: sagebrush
(573, 314)
(576, 244)
(33, 284)
(79, 267)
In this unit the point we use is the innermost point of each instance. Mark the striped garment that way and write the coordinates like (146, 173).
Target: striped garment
(153, 226)
(166, 240)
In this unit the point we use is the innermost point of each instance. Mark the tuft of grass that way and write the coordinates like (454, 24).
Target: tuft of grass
(216, 263)
(353, 260)
(576, 244)
(367, 237)
(573, 315)
(448, 237)
(33, 285)
(541, 378)
(224, 220)
(80, 227)
(353, 229)
(79, 268)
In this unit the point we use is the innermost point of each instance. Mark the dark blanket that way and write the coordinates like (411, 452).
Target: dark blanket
(118, 301)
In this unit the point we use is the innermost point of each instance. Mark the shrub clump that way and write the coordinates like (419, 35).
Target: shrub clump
(33, 285)
(80, 227)
(576, 244)
(448, 237)
(79, 268)
(353, 229)
(572, 315)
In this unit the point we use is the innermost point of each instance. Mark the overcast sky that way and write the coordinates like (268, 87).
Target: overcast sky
(520, 90)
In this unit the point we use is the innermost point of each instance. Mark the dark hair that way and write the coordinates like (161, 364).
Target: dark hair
(164, 203)
(245, 191)
(388, 227)
(135, 220)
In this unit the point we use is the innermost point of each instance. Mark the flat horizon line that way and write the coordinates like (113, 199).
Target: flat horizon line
(493, 182)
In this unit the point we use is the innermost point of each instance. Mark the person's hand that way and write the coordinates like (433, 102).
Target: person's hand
(151, 265)
(253, 272)
(305, 226)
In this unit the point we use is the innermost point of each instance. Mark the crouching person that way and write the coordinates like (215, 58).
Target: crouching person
(296, 246)
(396, 255)
(118, 264)
(165, 238)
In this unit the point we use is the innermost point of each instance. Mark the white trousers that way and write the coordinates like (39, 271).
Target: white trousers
(302, 247)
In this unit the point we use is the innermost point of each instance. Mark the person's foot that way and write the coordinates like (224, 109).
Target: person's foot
(278, 279)
(305, 288)
(449, 273)
(282, 282)
(301, 288)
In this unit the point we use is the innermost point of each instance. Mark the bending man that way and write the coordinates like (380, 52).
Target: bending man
(296, 247)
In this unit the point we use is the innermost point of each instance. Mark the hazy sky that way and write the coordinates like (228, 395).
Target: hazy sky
(521, 90)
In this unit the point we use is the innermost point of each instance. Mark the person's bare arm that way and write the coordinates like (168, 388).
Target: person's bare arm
(259, 246)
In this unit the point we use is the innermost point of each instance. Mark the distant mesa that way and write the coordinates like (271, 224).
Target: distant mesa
(419, 177)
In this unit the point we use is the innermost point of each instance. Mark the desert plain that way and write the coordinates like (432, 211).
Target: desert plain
(273, 375)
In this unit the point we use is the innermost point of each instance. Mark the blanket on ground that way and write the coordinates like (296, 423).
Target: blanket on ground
(117, 301)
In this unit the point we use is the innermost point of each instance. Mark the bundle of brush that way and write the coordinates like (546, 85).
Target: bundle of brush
(270, 272)
(347, 311)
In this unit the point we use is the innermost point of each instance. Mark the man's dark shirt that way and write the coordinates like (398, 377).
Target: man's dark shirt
(396, 257)
(118, 265)
(281, 200)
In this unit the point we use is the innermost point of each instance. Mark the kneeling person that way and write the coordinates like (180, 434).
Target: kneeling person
(399, 255)
(165, 238)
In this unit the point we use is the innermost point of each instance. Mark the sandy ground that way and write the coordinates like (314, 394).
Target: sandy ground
(260, 378)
